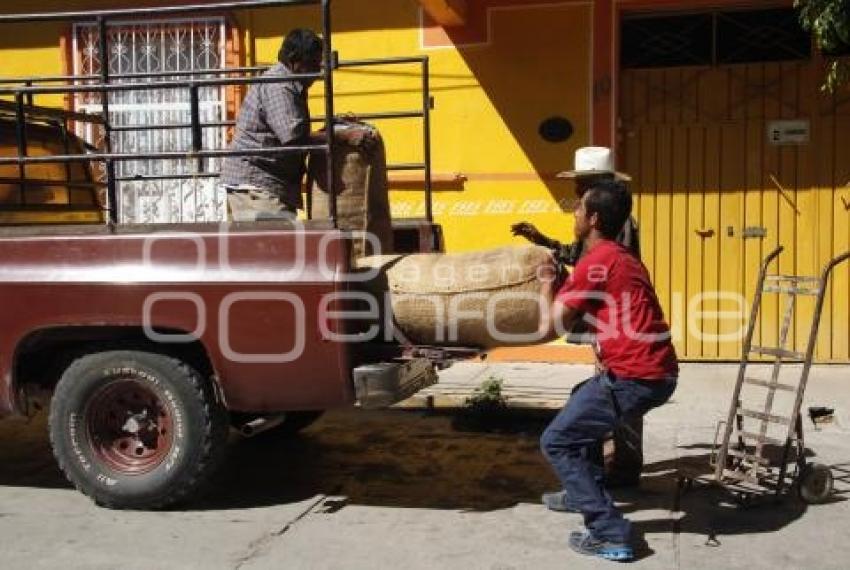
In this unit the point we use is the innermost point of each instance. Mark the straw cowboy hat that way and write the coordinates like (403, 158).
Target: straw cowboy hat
(592, 161)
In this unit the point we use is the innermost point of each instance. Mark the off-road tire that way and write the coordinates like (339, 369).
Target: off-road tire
(92, 452)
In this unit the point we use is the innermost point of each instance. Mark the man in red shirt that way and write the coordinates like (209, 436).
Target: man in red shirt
(611, 287)
(623, 459)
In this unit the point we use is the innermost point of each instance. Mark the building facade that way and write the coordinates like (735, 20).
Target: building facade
(714, 108)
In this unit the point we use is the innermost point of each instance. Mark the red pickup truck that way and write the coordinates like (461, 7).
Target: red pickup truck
(154, 343)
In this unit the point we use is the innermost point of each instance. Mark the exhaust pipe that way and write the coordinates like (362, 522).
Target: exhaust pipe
(261, 424)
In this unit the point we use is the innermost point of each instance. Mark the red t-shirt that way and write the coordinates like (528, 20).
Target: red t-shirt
(612, 287)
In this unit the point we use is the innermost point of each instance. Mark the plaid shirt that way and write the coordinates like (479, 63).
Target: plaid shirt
(273, 114)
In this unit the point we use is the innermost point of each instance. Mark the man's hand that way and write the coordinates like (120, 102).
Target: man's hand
(361, 137)
(352, 135)
(529, 232)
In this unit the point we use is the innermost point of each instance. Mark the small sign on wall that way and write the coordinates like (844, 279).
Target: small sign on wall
(788, 132)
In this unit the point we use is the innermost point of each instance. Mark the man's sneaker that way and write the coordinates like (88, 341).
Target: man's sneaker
(583, 542)
(559, 502)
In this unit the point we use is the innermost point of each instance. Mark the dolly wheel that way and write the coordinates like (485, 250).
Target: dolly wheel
(815, 483)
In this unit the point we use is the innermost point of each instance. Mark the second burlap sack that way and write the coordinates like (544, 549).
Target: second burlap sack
(363, 205)
(483, 299)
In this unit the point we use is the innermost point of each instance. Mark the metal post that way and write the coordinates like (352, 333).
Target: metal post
(426, 134)
(30, 98)
(330, 59)
(21, 135)
(197, 132)
(66, 145)
(111, 186)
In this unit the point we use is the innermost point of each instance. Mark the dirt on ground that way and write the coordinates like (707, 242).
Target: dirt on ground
(404, 458)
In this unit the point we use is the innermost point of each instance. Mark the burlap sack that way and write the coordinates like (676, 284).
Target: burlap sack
(483, 299)
(363, 204)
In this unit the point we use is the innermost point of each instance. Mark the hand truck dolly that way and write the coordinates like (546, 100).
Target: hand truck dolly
(744, 461)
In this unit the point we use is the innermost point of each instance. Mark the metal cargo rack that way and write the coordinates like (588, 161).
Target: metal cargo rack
(24, 89)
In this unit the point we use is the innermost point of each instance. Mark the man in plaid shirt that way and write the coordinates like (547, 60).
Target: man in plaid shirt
(273, 115)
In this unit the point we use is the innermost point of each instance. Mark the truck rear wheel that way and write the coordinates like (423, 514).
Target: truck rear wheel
(134, 429)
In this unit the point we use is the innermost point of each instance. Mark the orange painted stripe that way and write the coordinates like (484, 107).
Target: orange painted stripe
(460, 178)
(475, 29)
(446, 12)
(566, 354)
(605, 32)
(513, 177)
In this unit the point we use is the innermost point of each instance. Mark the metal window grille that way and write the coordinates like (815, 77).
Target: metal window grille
(762, 35)
(158, 47)
(667, 41)
(713, 38)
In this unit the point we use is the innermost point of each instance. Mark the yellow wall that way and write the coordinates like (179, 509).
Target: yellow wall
(29, 50)
(490, 100)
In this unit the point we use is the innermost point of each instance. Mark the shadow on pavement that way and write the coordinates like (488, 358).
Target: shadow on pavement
(709, 510)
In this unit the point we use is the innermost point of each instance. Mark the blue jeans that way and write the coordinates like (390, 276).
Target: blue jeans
(571, 442)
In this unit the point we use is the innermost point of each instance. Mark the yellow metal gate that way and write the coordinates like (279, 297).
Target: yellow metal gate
(729, 162)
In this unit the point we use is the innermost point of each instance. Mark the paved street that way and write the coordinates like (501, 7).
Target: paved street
(415, 488)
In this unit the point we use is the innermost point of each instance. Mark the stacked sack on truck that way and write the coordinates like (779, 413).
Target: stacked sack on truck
(360, 171)
(483, 299)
